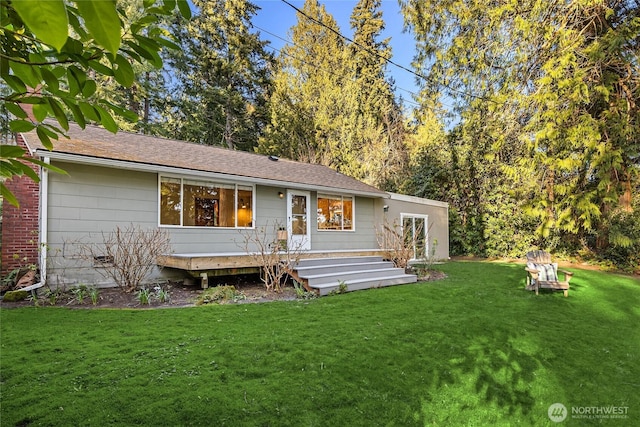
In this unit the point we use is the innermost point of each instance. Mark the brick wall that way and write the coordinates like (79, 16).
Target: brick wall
(20, 225)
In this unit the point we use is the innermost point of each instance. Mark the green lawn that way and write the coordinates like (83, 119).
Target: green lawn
(473, 349)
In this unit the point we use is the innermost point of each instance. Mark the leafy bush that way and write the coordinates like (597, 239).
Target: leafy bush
(12, 296)
(302, 293)
(220, 295)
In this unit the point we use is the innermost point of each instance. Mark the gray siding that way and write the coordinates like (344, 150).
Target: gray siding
(363, 237)
(84, 204)
(93, 200)
(438, 221)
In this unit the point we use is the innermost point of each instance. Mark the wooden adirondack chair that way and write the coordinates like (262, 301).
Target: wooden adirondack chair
(543, 274)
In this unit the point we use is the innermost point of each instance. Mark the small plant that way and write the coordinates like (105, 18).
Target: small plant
(80, 293)
(94, 294)
(341, 289)
(144, 296)
(161, 294)
(126, 255)
(33, 297)
(53, 295)
(424, 268)
(265, 247)
(301, 292)
(220, 295)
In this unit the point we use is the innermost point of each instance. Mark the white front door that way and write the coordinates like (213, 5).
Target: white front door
(298, 224)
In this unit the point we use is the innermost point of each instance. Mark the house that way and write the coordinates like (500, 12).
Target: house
(205, 198)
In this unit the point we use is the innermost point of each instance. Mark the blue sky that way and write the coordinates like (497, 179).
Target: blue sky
(275, 19)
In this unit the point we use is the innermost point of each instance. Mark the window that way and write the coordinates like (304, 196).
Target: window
(193, 203)
(335, 212)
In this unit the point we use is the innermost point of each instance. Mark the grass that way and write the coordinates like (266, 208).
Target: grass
(473, 349)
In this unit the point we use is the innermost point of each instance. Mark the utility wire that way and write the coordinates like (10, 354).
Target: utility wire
(316, 66)
(419, 75)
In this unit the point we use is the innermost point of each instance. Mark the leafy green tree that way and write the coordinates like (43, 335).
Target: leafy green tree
(561, 79)
(146, 95)
(588, 118)
(333, 103)
(223, 77)
(52, 53)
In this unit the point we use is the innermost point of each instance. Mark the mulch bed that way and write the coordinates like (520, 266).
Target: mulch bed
(180, 295)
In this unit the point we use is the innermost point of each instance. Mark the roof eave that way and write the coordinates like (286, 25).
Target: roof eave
(154, 168)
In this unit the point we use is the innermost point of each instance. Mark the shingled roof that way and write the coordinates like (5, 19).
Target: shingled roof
(98, 144)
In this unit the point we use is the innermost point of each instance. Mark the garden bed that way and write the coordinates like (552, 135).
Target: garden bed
(179, 295)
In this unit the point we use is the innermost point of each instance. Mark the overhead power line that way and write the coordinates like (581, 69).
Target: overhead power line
(366, 49)
(317, 66)
(395, 64)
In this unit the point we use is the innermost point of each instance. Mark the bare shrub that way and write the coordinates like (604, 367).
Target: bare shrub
(397, 244)
(126, 255)
(274, 256)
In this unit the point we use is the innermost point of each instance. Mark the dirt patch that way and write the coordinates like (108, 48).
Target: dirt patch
(432, 275)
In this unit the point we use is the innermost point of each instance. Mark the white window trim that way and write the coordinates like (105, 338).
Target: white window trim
(426, 229)
(353, 213)
(220, 181)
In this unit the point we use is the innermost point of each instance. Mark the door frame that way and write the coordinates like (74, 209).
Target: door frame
(425, 232)
(298, 241)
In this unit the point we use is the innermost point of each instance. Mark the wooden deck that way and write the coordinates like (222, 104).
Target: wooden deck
(223, 264)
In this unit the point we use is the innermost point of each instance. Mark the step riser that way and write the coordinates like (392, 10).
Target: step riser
(353, 275)
(314, 271)
(313, 262)
(325, 290)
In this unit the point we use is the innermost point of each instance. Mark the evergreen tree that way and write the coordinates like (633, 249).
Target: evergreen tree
(222, 77)
(332, 103)
(373, 131)
(307, 106)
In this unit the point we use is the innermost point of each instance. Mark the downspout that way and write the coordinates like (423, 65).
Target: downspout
(44, 221)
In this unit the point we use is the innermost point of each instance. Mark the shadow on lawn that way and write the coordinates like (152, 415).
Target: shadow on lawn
(492, 370)
(488, 380)
(503, 355)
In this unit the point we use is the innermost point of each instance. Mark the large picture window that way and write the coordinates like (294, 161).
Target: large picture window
(193, 203)
(335, 212)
